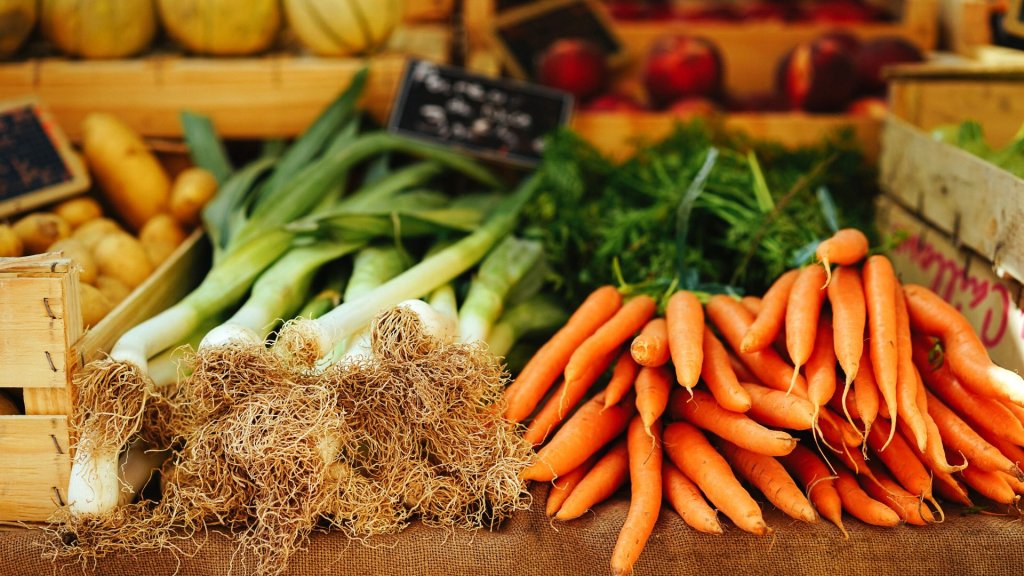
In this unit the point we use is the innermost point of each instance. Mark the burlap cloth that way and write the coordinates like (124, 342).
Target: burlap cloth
(529, 545)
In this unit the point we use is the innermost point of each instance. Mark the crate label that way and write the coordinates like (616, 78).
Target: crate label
(36, 165)
(523, 33)
(501, 120)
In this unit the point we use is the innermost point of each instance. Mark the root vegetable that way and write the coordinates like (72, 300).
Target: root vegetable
(90, 233)
(39, 230)
(82, 256)
(78, 211)
(94, 305)
(160, 236)
(7, 406)
(192, 189)
(128, 174)
(123, 257)
(112, 288)
(10, 243)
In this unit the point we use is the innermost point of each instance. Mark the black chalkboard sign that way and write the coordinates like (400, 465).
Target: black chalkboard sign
(1013, 22)
(522, 34)
(36, 162)
(503, 120)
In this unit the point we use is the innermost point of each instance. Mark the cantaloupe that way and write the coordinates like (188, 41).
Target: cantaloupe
(343, 27)
(99, 28)
(17, 18)
(222, 27)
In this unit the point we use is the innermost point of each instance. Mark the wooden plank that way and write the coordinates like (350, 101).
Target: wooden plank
(962, 195)
(48, 401)
(428, 10)
(33, 343)
(966, 280)
(34, 457)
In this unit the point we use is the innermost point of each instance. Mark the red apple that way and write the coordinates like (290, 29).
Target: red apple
(717, 13)
(838, 12)
(639, 9)
(818, 76)
(574, 65)
(613, 102)
(690, 107)
(848, 40)
(879, 53)
(762, 11)
(682, 66)
(870, 106)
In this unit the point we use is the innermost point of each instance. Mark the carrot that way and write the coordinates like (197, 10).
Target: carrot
(880, 295)
(860, 504)
(650, 347)
(719, 376)
(1012, 451)
(968, 359)
(700, 462)
(645, 496)
(821, 366)
(732, 321)
(558, 406)
(934, 450)
(949, 488)
(842, 430)
(845, 402)
(743, 374)
(1017, 411)
(544, 368)
(753, 304)
(989, 484)
(685, 319)
(849, 317)
(586, 363)
(866, 388)
(958, 436)
(768, 322)
(562, 487)
(605, 477)
(802, 312)
(688, 502)
(980, 411)
(818, 481)
(702, 411)
(907, 506)
(770, 477)
(582, 435)
(777, 409)
(623, 375)
(846, 247)
(652, 389)
(902, 462)
(906, 381)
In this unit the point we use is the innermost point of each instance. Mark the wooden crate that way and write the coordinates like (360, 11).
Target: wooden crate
(428, 10)
(42, 344)
(277, 95)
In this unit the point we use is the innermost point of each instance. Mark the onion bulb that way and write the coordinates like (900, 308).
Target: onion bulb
(343, 27)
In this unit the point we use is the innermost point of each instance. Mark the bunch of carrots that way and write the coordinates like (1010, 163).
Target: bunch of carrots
(889, 386)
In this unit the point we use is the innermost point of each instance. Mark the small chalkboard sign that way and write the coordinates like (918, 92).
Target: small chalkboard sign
(502, 120)
(37, 165)
(523, 33)
(1013, 22)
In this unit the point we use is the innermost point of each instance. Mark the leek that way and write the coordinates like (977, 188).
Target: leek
(502, 269)
(372, 267)
(534, 315)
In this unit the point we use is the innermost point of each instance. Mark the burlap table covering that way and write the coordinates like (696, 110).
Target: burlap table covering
(529, 545)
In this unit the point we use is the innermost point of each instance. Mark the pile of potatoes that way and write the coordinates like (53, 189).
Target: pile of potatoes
(113, 259)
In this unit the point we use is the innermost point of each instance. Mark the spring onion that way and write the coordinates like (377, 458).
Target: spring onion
(505, 266)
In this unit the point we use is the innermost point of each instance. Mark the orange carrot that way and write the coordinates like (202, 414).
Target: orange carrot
(901, 461)
(732, 321)
(544, 368)
(582, 435)
(802, 312)
(867, 392)
(849, 316)
(949, 488)
(819, 483)
(645, 494)
(1012, 451)
(967, 357)
(860, 504)
(934, 451)
(686, 499)
(880, 295)
(847, 433)
(652, 389)
(558, 406)
(685, 318)
(989, 484)
(700, 462)
(752, 304)
(777, 409)
(1015, 484)
(702, 411)
(958, 436)
(743, 374)
(906, 380)
(623, 375)
(650, 347)
(846, 247)
(907, 506)
(771, 478)
(821, 365)
(605, 477)
(586, 363)
(849, 407)
(562, 487)
(768, 323)
(719, 376)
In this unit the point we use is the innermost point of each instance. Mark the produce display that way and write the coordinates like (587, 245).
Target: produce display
(811, 11)
(970, 136)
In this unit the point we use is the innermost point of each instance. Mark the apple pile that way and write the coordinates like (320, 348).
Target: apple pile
(684, 74)
(810, 11)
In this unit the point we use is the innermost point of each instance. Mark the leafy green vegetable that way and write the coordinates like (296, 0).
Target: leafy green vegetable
(970, 136)
(656, 222)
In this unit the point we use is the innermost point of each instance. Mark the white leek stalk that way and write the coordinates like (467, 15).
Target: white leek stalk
(505, 266)
(536, 314)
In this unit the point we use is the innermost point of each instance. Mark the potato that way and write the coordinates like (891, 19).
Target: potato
(7, 406)
(75, 250)
(121, 256)
(10, 244)
(112, 288)
(129, 175)
(40, 229)
(160, 236)
(94, 305)
(192, 189)
(78, 211)
(90, 233)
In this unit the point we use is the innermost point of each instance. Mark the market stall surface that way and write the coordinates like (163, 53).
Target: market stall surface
(529, 544)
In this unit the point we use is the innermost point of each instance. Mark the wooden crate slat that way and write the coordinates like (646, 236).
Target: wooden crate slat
(47, 401)
(36, 463)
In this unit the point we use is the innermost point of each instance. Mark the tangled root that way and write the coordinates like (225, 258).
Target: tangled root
(298, 342)
(110, 401)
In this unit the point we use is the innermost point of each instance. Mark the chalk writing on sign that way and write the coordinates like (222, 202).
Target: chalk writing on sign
(29, 160)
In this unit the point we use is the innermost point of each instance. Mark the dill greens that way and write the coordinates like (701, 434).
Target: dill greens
(648, 226)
